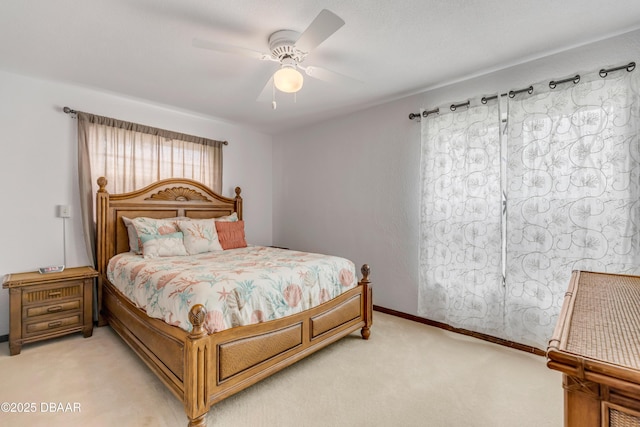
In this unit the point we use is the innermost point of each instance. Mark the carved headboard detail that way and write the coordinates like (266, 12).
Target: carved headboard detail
(180, 194)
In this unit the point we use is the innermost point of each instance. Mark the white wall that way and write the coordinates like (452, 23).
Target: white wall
(38, 169)
(350, 186)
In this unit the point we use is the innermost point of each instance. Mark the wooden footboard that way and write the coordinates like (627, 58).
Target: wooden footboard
(203, 369)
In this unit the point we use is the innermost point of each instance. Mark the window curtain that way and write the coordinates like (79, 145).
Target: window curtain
(568, 162)
(573, 194)
(132, 156)
(460, 222)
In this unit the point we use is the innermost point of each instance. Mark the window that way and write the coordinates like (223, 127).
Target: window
(132, 156)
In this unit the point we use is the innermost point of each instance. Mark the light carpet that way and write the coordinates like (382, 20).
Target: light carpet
(407, 374)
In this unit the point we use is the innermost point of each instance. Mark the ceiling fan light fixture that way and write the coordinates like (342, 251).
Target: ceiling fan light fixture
(287, 79)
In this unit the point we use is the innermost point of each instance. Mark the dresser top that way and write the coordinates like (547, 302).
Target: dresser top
(33, 277)
(599, 326)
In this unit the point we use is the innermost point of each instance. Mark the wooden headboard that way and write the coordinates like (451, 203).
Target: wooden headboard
(164, 199)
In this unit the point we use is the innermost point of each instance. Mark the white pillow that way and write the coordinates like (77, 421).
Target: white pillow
(228, 218)
(161, 245)
(200, 236)
(133, 236)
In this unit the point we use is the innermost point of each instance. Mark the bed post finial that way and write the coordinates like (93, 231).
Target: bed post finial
(102, 183)
(197, 315)
(365, 270)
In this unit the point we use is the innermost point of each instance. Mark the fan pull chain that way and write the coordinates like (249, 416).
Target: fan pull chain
(273, 97)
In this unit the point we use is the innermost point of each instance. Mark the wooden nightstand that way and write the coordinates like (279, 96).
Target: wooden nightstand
(43, 306)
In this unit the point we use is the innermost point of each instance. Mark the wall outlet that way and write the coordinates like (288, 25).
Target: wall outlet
(64, 211)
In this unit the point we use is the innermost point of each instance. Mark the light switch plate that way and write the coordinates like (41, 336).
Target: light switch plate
(64, 211)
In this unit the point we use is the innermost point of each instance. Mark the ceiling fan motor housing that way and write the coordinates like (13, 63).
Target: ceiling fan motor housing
(282, 46)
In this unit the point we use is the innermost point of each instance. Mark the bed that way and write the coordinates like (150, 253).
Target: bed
(202, 368)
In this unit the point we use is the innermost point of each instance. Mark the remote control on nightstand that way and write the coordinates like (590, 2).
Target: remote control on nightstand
(51, 269)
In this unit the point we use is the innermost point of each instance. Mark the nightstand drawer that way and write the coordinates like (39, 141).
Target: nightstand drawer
(53, 325)
(54, 308)
(52, 292)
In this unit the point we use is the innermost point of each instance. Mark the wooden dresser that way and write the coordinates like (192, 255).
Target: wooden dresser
(43, 306)
(596, 345)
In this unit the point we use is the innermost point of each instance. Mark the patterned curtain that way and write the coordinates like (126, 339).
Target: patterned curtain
(461, 248)
(570, 170)
(573, 194)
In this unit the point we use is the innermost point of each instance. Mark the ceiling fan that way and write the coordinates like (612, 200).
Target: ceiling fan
(290, 48)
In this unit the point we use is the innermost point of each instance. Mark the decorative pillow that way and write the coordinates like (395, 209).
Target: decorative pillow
(134, 242)
(160, 245)
(231, 234)
(153, 226)
(133, 236)
(228, 218)
(200, 235)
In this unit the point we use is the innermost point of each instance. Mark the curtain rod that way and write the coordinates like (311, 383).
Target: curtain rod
(575, 79)
(424, 114)
(552, 84)
(511, 94)
(68, 110)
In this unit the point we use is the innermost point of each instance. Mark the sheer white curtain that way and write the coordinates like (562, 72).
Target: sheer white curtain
(461, 247)
(571, 177)
(573, 194)
(133, 156)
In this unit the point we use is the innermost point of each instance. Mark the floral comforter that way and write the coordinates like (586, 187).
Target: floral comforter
(238, 286)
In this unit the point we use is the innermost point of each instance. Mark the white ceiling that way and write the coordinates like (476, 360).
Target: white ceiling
(143, 48)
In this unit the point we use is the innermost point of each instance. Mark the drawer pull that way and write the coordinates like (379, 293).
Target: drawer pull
(54, 309)
(55, 294)
(55, 324)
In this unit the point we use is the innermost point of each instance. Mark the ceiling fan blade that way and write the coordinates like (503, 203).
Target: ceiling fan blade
(267, 92)
(325, 24)
(329, 76)
(225, 48)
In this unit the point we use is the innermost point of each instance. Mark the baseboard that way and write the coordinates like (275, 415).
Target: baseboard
(478, 335)
(4, 338)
